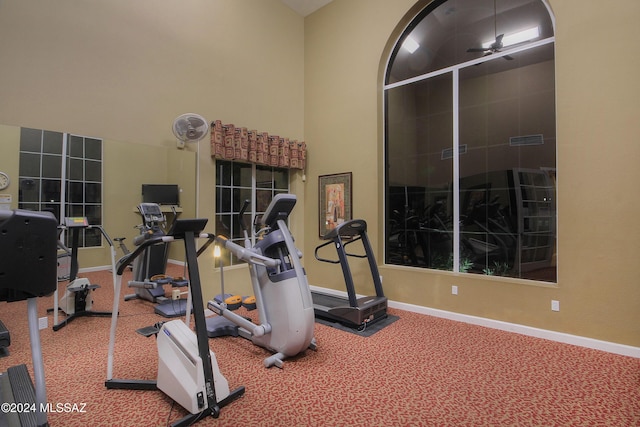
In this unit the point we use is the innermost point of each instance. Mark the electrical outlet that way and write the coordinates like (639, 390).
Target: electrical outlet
(555, 305)
(454, 290)
(43, 323)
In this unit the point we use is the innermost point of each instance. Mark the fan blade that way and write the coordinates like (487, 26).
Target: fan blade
(196, 121)
(478, 49)
(181, 127)
(508, 58)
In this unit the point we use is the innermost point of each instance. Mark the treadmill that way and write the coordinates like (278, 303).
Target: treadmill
(352, 311)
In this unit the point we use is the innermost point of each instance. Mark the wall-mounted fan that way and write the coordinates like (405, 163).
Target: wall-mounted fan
(190, 128)
(497, 44)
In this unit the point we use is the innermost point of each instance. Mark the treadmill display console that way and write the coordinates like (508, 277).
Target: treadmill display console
(76, 221)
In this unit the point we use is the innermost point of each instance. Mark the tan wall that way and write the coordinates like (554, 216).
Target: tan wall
(135, 164)
(122, 71)
(347, 44)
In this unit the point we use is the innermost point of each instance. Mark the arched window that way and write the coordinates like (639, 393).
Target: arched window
(470, 140)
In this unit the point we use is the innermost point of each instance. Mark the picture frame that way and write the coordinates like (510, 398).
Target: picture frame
(334, 201)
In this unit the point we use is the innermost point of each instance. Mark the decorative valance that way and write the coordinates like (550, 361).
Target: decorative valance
(230, 142)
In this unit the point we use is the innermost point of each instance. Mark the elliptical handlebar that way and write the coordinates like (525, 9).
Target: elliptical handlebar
(244, 207)
(245, 254)
(62, 228)
(140, 238)
(124, 262)
(239, 251)
(103, 232)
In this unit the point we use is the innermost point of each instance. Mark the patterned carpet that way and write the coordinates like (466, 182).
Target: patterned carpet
(418, 371)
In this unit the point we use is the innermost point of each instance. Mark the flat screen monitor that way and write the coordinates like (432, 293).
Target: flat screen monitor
(162, 194)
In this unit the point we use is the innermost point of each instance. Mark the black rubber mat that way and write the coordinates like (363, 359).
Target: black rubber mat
(365, 331)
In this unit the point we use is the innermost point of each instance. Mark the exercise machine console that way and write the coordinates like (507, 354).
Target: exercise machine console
(353, 312)
(28, 249)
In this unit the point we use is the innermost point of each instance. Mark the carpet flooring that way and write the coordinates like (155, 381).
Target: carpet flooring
(416, 371)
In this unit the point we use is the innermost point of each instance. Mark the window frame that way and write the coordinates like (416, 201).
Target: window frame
(228, 216)
(64, 206)
(454, 70)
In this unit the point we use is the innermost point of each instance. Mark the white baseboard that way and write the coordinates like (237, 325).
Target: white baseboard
(621, 349)
(610, 347)
(92, 269)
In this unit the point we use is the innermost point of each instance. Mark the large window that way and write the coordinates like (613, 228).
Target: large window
(237, 182)
(62, 174)
(470, 140)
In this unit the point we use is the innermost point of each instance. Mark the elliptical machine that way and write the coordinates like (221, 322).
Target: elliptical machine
(149, 269)
(280, 286)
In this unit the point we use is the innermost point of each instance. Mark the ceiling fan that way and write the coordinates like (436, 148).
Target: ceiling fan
(497, 44)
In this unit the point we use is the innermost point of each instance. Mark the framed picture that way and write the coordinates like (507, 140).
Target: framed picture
(334, 193)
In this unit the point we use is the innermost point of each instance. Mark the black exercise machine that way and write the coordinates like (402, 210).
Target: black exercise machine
(187, 368)
(28, 249)
(149, 269)
(77, 300)
(353, 312)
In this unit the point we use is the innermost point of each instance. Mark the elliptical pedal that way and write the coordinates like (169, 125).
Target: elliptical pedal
(147, 331)
(233, 302)
(249, 302)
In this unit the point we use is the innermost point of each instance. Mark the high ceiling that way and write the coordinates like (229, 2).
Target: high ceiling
(305, 7)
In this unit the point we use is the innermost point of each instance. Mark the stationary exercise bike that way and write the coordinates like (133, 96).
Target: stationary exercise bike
(77, 300)
(187, 369)
(280, 286)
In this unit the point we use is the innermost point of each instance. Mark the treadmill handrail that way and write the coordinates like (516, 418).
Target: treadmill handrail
(344, 245)
(245, 254)
(324, 259)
